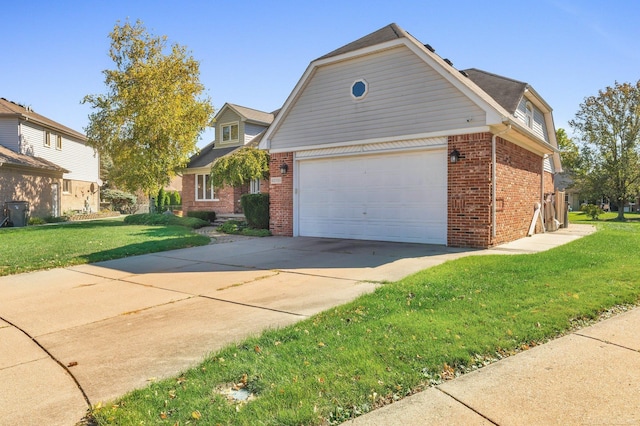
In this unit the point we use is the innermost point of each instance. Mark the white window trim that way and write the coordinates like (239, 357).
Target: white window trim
(70, 186)
(59, 142)
(529, 114)
(366, 89)
(47, 139)
(254, 187)
(230, 124)
(211, 189)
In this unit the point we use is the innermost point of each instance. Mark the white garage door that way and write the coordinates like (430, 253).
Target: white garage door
(390, 197)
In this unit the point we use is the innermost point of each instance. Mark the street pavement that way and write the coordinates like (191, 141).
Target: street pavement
(77, 336)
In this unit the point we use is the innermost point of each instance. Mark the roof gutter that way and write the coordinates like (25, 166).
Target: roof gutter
(493, 177)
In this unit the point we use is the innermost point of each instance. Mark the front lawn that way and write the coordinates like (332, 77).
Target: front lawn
(42, 247)
(404, 337)
(581, 217)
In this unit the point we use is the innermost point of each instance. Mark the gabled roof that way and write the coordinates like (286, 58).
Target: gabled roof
(498, 103)
(13, 158)
(506, 91)
(248, 114)
(12, 109)
(388, 33)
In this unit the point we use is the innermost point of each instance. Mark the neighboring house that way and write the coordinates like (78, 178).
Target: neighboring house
(45, 163)
(235, 127)
(564, 182)
(383, 139)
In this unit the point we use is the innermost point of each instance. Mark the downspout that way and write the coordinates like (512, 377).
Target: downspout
(493, 180)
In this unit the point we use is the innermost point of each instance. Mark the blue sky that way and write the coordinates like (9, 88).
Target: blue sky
(252, 53)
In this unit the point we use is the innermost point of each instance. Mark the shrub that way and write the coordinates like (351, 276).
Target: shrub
(209, 216)
(175, 199)
(164, 219)
(162, 201)
(36, 221)
(121, 201)
(256, 210)
(591, 210)
(56, 219)
(240, 228)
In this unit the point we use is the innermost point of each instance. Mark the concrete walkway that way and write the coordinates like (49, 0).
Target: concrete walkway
(88, 334)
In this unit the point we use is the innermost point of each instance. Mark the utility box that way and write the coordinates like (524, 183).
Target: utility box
(18, 212)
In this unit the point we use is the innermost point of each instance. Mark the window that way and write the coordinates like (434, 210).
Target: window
(59, 142)
(359, 89)
(47, 139)
(66, 186)
(255, 186)
(229, 132)
(528, 119)
(204, 189)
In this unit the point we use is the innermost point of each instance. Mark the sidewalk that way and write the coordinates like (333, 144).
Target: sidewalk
(589, 377)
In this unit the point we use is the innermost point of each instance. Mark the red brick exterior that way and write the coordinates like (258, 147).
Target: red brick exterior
(518, 182)
(227, 198)
(469, 191)
(518, 185)
(281, 195)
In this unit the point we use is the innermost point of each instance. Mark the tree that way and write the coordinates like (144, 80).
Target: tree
(149, 120)
(569, 151)
(609, 128)
(240, 167)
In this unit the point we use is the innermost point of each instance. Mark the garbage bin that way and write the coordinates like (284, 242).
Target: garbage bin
(18, 212)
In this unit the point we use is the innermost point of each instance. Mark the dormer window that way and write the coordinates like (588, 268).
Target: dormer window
(229, 132)
(528, 119)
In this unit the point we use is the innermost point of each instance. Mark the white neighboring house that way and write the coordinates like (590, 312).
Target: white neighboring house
(45, 163)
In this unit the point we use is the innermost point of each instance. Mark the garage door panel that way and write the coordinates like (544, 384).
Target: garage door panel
(391, 197)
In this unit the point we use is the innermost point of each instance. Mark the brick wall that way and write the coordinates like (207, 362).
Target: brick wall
(33, 187)
(281, 195)
(227, 198)
(518, 183)
(469, 191)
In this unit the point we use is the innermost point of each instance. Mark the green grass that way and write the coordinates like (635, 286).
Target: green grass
(42, 247)
(405, 336)
(580, 217)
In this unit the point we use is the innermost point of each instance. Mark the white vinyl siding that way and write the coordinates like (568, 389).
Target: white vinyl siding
(81, 160)
(9, 136)
(548, 165)
(405, 97)
(538, 126)
(251, 131)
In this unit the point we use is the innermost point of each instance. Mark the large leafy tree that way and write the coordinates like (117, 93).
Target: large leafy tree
(569, 151)
(609, 128)
(150, 119)
(240, 167)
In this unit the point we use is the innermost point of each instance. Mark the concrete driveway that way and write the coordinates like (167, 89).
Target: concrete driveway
(87, 334)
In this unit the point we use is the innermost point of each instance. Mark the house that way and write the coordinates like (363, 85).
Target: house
(45, 163)
(382, 139)
(235, 127)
